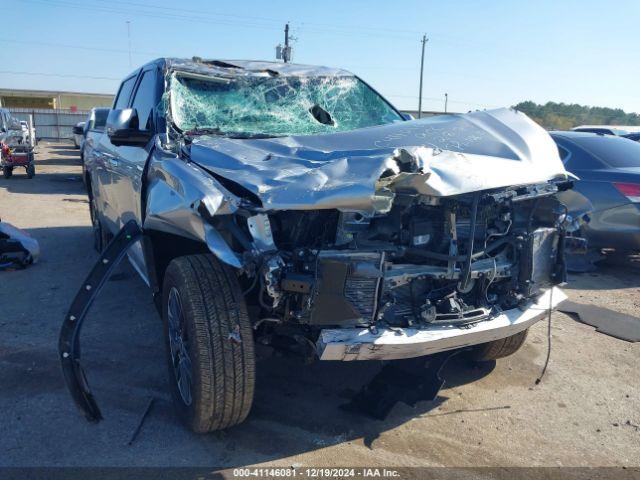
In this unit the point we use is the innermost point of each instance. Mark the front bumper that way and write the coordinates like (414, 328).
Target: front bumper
(392, 344)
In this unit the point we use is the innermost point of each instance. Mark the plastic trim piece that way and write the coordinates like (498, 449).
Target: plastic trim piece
(69, 341)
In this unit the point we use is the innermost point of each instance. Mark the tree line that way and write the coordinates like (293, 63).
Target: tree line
(564, 116)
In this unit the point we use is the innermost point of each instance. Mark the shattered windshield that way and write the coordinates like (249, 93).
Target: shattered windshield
(276, 106)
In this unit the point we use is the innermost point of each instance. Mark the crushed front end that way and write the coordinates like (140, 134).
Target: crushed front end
(430, 274)
(396, 240)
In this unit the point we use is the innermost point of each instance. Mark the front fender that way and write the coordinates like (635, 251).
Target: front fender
(178, 193)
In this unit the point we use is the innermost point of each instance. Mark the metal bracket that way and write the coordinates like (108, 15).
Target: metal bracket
(69, 341)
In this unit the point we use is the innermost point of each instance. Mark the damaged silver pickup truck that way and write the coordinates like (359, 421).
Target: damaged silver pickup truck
(294, 206)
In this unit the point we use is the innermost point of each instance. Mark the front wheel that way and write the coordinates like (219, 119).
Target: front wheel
(31, 171)
(7, 172)
(209, 342)
(498, 348)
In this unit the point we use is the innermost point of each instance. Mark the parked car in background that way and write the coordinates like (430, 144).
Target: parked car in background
(635, 136)
(602, 129)
(78, 134)
(93, 129)
(609, 171)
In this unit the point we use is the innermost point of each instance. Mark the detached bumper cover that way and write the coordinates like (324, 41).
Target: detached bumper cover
(360, 344)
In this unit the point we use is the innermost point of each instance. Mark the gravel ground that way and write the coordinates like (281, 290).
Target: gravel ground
(585, 412)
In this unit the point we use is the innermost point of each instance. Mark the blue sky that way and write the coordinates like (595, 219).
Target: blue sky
(484, 54)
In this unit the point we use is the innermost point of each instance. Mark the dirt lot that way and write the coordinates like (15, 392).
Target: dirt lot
(584, 413)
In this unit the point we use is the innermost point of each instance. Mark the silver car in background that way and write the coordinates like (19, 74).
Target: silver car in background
(78, 134)
(93, 129)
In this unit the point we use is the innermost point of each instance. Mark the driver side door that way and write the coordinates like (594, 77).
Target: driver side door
(127, 164)
(104, 160)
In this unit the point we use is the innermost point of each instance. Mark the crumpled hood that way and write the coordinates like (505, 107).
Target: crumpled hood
(439, 156)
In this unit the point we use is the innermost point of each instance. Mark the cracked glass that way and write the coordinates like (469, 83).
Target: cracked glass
(276, 106)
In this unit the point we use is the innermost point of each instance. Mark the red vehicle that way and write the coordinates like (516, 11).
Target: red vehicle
(17, 156)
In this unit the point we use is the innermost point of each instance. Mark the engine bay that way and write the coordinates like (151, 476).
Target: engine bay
(449, 261)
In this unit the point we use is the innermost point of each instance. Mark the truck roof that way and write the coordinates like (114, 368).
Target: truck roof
(225, 67)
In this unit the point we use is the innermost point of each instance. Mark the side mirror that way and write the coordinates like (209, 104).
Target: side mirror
(407, 116)
(77, 130)
(122, 128)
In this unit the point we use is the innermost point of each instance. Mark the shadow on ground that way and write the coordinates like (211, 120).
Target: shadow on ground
(297, 407)
(72, 159)
(612, 272)
(59, 146)
(63, 150)
(43, 183)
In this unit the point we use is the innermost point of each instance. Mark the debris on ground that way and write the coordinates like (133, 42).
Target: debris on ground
(609, 322)
(17, 248)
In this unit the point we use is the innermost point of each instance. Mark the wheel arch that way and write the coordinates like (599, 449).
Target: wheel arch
(160, 248)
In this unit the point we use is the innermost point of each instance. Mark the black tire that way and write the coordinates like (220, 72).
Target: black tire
(218, 339)
(31, 171)
(504, 347)
(7, 172)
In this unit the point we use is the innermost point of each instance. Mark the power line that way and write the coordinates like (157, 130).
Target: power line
(164, 54)
(141, 13)
(45, 74)
(372, 29)
(79, 47)
(196, 12)
(309, 28)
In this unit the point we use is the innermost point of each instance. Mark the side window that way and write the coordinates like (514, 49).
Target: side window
(577, 158)
(564, 154)
(145, 99)
(125, 92)
(100, 119)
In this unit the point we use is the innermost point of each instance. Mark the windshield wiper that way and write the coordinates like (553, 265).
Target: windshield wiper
(248, 135)
(204, 131)
(236, 135)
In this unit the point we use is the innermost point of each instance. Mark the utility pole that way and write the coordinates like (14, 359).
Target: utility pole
(446, 100)
(285, 54)
(129, 40)
(424, 42)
